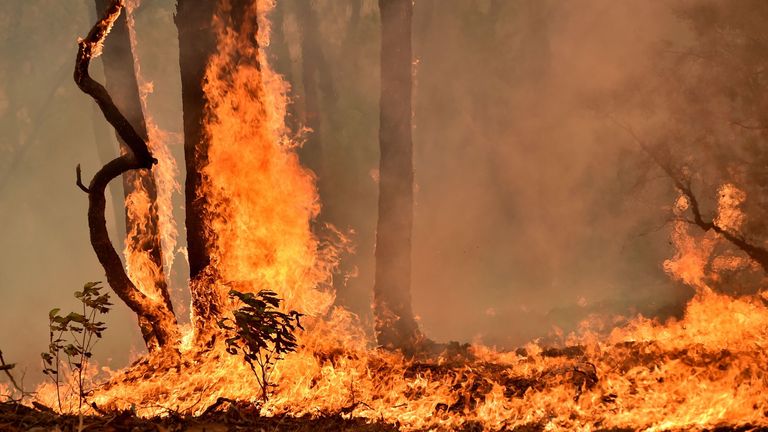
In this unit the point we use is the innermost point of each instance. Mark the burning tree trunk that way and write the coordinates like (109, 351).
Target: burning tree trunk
(155, 316)
(197, 43)
(142, 233)
(395, 324)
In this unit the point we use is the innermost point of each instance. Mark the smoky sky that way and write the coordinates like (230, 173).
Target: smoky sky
(530, 212)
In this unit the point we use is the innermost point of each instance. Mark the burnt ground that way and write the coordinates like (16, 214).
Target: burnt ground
(15, 417)
(228, 415)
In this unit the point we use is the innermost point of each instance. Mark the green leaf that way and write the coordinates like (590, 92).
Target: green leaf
(76, 317)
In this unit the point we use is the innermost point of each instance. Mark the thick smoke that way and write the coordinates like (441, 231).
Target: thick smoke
(534, 209)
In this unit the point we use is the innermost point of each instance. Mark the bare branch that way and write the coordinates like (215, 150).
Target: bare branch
(80, 180)
(89, 48)
(6, 368)
(683, 184)
(748, 127)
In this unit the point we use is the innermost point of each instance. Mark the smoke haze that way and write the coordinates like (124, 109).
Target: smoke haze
(533, 210)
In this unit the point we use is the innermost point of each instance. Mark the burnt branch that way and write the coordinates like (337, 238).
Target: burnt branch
(6, 368)
(682, 182)
(161, 320)
(89, 48)
(79, 182)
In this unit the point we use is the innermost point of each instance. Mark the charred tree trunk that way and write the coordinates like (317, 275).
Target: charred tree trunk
(281, 58)
(143, 236)
(317, 86)
(395, 324)
(312, 151)
(158, 318)
(105, 147)
(197, 43)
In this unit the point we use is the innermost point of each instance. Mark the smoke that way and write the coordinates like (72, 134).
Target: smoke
(48, 127)
(533, 209)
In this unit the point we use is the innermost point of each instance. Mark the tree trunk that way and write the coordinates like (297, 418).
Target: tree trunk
(142, 233)
(156, 318)
(281, 59)
(317, 86)
(312, 151)
(197, 43)
(105, 148)
(395, 324)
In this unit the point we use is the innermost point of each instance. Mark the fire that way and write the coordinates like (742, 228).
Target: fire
(262, 198)
(700, 371)
(165, 171)
(140, 266)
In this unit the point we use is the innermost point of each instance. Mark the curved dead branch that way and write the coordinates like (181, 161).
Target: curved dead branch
(157, 321)
(683, 183)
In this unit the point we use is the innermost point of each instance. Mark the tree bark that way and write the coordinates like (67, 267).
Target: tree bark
(318, 87)
(197, 43)
(157, 320)
(395, 324)
(105, 147)
(312, 151)
(143, 236)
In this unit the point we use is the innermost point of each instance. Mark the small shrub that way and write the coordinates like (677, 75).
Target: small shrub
(75, 335)
(261, 333)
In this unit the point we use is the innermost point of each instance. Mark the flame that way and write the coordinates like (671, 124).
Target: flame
(262, 198)
(165, 172)
(690, 261)
(701, 371)
(140, 266)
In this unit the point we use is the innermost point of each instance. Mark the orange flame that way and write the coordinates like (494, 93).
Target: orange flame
(262, 198)
(165, 171)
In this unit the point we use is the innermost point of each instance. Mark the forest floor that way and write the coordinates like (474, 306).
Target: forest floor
(16, 417)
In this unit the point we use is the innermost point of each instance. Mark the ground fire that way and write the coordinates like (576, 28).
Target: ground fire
(267, 346)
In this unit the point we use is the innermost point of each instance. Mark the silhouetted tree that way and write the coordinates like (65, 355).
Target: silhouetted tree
(395, 324)
(197, 43)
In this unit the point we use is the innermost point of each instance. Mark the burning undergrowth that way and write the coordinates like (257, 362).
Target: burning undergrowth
(703, 371)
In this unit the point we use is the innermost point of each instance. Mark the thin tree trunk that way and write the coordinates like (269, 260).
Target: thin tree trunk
(143, 235)
(197, 43)
(105, 147)
(281, 58)
(312, 151)
(395, 324)
(155, 317)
